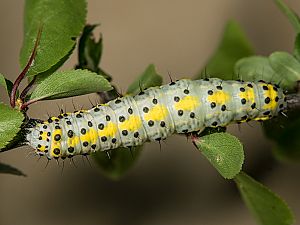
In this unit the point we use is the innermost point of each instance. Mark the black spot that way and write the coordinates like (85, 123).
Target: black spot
(267, 113)
(276, 99)
(219, 87)
(243, 101)
(45, 126)
(85, 143)
(136, 134)
(250, 85)
(214, 123)
(186, 91)
(262, 81)
(71, 149)
(90, 124)
(46, 150)
(275, 88)
(244, 117)
(57, 127)
(118, 101)
(65, 115)
(162, 124)
(70, 133)
(146, 109)
(48, 134)
(40, 138)
(150, 123)
(265, 88)
(206, 79)
(78, 115)
(157, 139)
(121, 119)
(267, 100)
(130, 111)
(100, 126)
(56, 120)
(124, 132)
(69, 122)
(57, 137)
(284, 99)
(39, 146)
(213, 105)
(185, 131)
(83, 131)
(107, 118)
(141, 93)
(180, 112)
(176, 99)
(41, 132)
(60, 116)
(96, 109)
(114, 140)
(154, 101)
(210, 92)
(50, 120)
(253, 105)
(103, 139)
(223, 108)
(192, 115)
(242, 89)
(56, 151)
(47, 140)
(93, 146)
(281, 106)
(172, 83)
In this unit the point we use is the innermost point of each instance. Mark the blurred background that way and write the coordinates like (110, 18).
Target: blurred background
(176, 185)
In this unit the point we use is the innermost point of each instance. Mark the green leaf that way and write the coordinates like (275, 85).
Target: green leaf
(61, 22)
(224, 152)
(7, 84)
(233, 46)
(287, 67)
(267, 207)
(4, 168)
(297, 47)
(256, 68)
(10, 123)
(149, 78)
(290, 14)
(120, 161)
(69, 83)
(285, 132)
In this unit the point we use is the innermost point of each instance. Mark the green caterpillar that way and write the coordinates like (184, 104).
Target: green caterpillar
(154, 114)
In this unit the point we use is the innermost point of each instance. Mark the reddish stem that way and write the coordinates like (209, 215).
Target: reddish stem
(26, 89)
(25, 70)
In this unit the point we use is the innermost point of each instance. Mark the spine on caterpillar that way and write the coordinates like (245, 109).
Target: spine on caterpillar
(154, 114)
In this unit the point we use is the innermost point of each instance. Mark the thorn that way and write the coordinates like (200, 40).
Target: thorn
(108, 155)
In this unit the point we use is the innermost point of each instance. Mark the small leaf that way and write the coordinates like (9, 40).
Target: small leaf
(69, 83)
(61, 22)
(120, 161)
(256, 68)
(233, 46)
(287, 68)
(4, 168)
(149, 78)
(7, 84)
(297, 47)
(290, 14)
(224, 152)
(267, 207)
(285, 132)
(10, 123)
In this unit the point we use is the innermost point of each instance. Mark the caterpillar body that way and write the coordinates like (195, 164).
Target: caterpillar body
(154, 114)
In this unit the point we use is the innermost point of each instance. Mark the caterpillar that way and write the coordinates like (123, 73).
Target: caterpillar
(154, 114)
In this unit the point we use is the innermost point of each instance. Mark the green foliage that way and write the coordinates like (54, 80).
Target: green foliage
(118, 162)
(61, 23)
(4, 168)
(233, 46)
(224, 152)
(297, 47)
(290, 14)
(7, 84)
(149, 78)
(69, 83)
(267, 207)
(10, 123)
